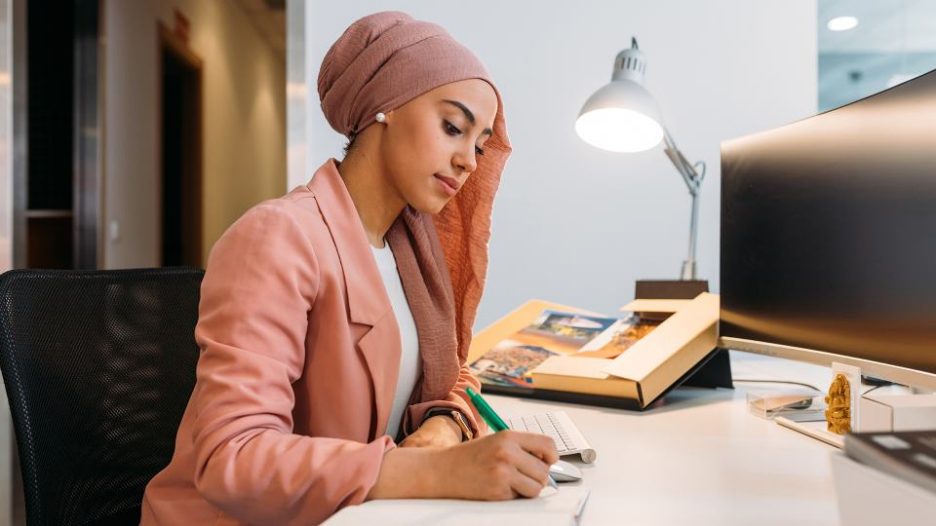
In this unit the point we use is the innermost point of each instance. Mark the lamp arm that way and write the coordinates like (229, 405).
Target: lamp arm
(693, 179)
(690, 175)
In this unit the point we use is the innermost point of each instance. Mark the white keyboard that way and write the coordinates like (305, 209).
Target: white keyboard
(558, 426)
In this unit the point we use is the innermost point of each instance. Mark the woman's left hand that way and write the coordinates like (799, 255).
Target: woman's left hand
(438, 431)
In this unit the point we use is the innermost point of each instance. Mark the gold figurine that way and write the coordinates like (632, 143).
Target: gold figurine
(838, 412)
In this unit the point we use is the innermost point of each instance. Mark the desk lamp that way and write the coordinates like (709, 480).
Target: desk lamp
(622, 116)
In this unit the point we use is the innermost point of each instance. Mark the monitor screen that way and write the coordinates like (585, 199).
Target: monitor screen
(828, 232)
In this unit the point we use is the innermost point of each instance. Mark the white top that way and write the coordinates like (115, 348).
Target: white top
(410, 362)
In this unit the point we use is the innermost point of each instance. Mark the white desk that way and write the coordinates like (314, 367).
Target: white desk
(701, 458)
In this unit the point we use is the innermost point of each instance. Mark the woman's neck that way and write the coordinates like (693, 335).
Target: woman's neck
(377, 202)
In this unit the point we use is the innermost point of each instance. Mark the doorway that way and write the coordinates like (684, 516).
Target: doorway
(180, 106)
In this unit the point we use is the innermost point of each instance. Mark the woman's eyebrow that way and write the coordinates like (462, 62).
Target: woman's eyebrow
(468, 115)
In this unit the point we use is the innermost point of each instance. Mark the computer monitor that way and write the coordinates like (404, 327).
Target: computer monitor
(828, 237)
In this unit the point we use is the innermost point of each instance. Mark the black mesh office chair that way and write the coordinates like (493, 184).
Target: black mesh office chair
(98, 367)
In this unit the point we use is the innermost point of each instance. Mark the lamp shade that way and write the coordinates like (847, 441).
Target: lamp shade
(622, 116)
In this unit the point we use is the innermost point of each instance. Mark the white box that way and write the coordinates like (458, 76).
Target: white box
(870, 497)
(898, 412)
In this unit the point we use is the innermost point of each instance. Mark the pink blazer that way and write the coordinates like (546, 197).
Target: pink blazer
(299, 360)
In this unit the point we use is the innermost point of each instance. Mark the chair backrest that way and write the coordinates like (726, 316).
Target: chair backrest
(98, 367)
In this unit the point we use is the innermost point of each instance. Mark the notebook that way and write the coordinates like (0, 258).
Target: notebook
(562, 507)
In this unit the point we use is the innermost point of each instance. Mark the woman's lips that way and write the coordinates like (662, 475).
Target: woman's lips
(448, 184)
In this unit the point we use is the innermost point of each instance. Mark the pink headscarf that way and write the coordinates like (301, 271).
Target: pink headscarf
(380, 63)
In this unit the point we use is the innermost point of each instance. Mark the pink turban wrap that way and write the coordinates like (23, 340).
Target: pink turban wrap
(380, 63)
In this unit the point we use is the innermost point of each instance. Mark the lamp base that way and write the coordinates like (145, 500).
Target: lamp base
(670, 289)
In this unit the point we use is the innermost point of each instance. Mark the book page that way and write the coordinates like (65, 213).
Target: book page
(552, 333)
(575, 366)
(618, 338)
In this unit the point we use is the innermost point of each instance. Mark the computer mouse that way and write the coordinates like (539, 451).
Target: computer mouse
(563, 471)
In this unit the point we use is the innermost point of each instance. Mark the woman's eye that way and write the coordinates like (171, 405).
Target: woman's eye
(479, 151)
(450, 128)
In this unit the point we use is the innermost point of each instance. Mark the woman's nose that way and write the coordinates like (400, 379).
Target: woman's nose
(467, 161)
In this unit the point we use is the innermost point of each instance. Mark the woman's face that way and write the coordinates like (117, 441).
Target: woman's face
(432, 143)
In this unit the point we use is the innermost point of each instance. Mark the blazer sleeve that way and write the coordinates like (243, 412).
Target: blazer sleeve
(456, 399)
(261, 280)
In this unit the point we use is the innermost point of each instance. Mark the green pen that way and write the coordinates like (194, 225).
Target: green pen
(493, 420)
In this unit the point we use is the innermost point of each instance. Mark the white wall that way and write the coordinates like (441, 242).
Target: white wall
(296, 144)
(574, 224)
(244, 126)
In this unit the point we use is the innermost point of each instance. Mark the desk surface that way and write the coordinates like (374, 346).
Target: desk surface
(701, 458)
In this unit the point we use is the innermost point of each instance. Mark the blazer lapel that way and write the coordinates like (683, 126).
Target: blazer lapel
(368, 303)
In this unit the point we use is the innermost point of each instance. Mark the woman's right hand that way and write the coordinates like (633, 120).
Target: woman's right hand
(501, 466)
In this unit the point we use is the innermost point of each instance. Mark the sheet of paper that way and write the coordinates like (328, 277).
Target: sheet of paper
(562, 507)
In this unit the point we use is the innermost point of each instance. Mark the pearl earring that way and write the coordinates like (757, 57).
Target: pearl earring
(381, 117)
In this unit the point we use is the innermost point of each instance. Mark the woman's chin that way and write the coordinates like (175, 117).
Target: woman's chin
(430, 206)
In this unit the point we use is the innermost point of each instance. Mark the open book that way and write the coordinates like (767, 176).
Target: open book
(561, 507)
(545, 350)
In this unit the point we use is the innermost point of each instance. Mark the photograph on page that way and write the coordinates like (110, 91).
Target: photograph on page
(552, 333)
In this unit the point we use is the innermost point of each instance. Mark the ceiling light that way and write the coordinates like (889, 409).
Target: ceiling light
(842, 23)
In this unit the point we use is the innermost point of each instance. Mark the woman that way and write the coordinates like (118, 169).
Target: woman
(337, 318)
